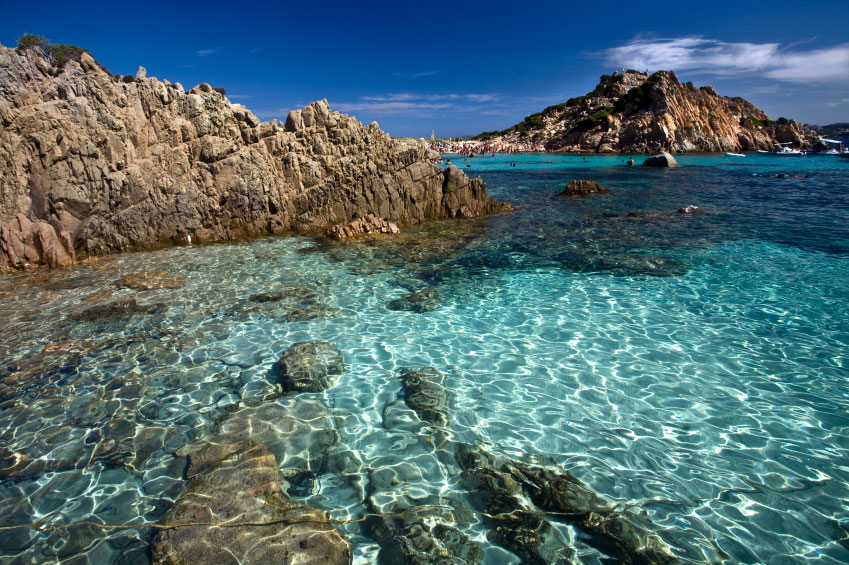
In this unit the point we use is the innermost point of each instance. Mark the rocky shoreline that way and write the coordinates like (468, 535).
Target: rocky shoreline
(636, 112)
(93, 163)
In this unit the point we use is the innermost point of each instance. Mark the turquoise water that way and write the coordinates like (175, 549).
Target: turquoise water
(692, 366)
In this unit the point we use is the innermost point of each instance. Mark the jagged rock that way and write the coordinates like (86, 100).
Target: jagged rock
(243, 491)
(582, 188)
(426, 394)
(150, 281)
(638, 112)
(140, 164)
(366, 225)
(662, 159)
(307, 366)
(422, 301)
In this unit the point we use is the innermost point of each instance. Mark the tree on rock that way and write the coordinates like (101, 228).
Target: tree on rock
(59, 54)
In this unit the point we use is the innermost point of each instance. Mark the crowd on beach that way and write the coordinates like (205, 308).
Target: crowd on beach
(472, 148)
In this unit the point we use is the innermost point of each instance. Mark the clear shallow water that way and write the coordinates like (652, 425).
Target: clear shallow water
(691, 365)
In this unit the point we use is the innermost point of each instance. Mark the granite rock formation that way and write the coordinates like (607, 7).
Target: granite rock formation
(582, 188)
(636, 112)
(92, 164)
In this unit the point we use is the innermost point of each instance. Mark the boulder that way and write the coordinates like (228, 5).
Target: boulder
(307, 366)
(582, 188)
(662, 159)
(237, 510)
(422, 301)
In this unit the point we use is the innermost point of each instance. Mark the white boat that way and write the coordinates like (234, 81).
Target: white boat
(838, 150)
(735, 155)
(783, 149)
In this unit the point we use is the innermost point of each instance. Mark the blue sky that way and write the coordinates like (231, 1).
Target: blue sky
(459, 68)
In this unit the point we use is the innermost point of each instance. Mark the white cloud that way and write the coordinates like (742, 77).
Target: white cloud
(390, 108)
(826, 65)
(425, 74)
(205, 52)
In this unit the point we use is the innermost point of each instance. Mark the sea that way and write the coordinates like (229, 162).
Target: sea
(680, 345)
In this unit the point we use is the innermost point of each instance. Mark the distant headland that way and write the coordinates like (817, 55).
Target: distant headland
(638, 112)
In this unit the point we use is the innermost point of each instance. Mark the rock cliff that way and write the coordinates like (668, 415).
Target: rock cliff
(636, 112)
(92, 163)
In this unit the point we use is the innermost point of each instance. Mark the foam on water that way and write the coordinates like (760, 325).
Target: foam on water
(692, 366)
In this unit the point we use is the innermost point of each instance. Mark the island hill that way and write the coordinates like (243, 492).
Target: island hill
(635, 112)
(93, 163)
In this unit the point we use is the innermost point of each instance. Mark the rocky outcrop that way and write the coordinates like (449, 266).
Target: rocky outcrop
(636, 112)
(582, 188)
(662, 159)
(92, 163)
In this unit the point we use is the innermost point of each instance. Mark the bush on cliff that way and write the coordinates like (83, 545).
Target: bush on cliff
(58, 53)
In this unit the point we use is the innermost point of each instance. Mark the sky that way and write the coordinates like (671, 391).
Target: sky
(458, 69)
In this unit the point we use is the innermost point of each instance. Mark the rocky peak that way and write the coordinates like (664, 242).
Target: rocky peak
(94, 163)
(638, 112)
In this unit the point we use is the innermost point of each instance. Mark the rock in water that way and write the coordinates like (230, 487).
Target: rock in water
(582, 188)
(93, 165)
(662, 159)
(307, 366)
(422, 301)
(426, 394)
(243, 490)
(368, 225)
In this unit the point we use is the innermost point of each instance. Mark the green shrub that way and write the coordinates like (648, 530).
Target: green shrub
(220, 91)
(128, 78)
(61, 54)
(29, 41)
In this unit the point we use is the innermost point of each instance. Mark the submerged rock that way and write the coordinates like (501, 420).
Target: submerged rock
(150, 281)
(367, 225)
(582, 188)
(237, 510)
(496, 483)
(422, 301)
(414, 542)
(307, 366)
(662, 159)
(426, 394)
(266, 297)
(312, 312)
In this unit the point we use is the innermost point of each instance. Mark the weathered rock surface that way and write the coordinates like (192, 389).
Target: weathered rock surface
(368, 225)
(662, 159)
(582, 188)
(421, 301)
(635, 112)
(91, 165)
(243, 490)
(307, 366)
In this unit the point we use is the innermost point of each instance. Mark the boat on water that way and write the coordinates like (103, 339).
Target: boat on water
(783, 149)
(734, 155)
(835, 147)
